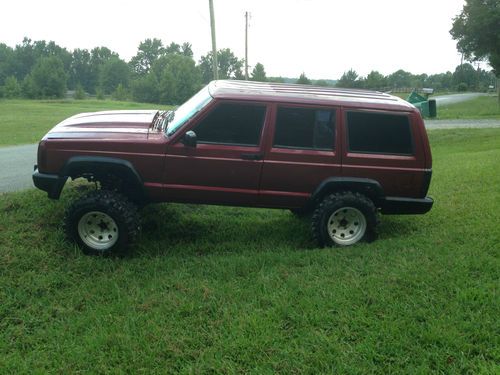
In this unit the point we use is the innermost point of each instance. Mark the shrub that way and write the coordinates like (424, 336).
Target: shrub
(99, 92)
(121, 93)
(79, 93)
(145, 89)
(28, 87)
(462, 86)
(12, 88)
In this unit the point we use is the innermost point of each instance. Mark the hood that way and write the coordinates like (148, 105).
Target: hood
(103, 125)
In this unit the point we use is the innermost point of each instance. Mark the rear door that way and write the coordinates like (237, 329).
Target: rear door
(384, 146)
(302, 151)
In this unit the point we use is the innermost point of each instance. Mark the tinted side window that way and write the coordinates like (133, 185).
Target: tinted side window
(379, 133)
(306, 128)
(236, 124)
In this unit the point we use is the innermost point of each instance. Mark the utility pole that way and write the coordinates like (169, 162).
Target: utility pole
(246, 46)
(214, 47)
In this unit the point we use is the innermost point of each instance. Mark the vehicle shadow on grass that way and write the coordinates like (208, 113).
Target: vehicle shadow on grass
(191, 229)
(185, 228)
(203, 230)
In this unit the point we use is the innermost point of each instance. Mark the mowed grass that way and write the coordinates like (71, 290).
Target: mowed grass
(235, 290)
(482, 107)
(27, 121)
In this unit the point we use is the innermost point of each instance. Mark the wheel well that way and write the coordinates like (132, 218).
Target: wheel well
(369, 188)
(112, 174)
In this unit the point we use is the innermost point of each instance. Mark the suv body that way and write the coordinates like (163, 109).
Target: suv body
(250, 144)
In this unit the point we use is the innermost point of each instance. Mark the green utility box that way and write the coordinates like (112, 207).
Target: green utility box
(427, 107)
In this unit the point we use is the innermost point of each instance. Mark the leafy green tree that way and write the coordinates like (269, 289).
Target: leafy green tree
(48, 78)
(258, 73)
(120, 93)
(12, 88)
(400, 79)
(321, 82)
(146, 89)
(465, 76)
(349, 79)
(476, 30)
(418, 80)
(178, 78)
(462, 86)
(6, 62)
(80, 71)
(98, 57)
(148, 52)
(375, 81)
(29, 53)
(28, 88)
(229, 66)
(276, 79)
(187, 49)
(303, 80)
(440, 82)
(114, 72)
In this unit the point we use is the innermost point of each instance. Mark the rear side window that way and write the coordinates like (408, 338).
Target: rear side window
(233, 124)
(379, 133)
(305, 128)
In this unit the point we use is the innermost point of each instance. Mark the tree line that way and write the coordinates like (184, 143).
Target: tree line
(168, 74)
(464, 78)
(158, 73)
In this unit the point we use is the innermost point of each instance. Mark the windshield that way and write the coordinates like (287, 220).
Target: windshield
(188, 110)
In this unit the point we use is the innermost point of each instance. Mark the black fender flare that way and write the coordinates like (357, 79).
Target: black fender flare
(79, 166)
(368, 187)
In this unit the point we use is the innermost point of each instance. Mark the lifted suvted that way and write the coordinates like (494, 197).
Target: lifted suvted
(341, 156)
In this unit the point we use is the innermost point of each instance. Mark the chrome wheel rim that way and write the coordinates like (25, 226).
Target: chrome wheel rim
(98, 230)
(346, 226)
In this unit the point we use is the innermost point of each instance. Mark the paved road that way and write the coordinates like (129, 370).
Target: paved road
(452, 124)
(16, 166)
(16, 162)
(456, 98)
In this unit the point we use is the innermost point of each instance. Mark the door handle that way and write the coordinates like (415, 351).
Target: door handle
(252, 156)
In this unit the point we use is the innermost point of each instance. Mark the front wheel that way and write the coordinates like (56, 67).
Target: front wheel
(102, 223)
(344, 219)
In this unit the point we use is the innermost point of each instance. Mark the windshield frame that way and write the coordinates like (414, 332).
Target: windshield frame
(188, 110)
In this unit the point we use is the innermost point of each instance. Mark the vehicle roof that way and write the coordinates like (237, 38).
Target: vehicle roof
(306, 94)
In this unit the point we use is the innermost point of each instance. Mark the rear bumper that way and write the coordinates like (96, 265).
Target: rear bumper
(408, 206)
(51, 183)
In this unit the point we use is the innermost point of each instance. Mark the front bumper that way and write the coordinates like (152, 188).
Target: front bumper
(51, 183)
(408, 206)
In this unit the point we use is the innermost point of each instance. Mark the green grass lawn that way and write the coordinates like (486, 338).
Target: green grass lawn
(27, 121)
(478, 108)
(234, 290)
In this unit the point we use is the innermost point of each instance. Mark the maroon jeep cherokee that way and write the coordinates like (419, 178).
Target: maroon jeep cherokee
(342, 155)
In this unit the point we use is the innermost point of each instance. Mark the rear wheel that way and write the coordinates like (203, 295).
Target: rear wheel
(344, 219)
(102, 223)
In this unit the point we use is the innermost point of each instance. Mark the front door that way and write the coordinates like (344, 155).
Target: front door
(226, 164)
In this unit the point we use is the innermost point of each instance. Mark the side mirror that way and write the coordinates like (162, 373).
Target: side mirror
(189, 139)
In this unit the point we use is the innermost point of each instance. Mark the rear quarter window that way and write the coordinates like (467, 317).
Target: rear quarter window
(379, 133)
